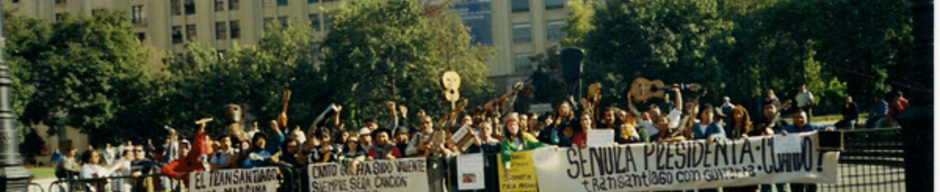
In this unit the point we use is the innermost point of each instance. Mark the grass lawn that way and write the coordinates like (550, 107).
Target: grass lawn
(42, 172)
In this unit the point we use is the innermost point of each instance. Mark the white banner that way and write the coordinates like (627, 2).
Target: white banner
(404, 175)
(683, 165)
(256, 179)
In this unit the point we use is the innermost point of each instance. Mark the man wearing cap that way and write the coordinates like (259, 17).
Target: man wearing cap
(365, 138)
(401, 139)
(383, 149)
(189, 160)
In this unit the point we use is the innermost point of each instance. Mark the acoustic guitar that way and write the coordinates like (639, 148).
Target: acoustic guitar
(643, 89)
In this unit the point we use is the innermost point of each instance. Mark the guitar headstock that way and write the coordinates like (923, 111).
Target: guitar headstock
(594, 91)
(450, 82)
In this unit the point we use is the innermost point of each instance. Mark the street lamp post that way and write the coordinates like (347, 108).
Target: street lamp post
(13, 176)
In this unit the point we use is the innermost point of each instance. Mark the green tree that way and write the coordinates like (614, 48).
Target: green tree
(578, 23)
(396, 51)
(86, 70)
(678, 41)
(254, 77)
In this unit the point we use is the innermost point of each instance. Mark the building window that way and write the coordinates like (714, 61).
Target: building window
(281, 2)
(232, 4)
(522, 62)
(60, 17)
(267, 21)
(220, 30)
(137, 14)
(191, 32)
(327, 22)
(521, 33)
(554, 4)
(177, 35)
(520, 5)
(315, 22)
(553, 29)
(141, 36)
(190, 7)
(236, 29)
(61, 1)
(219, 5)
(283, 20)
(175, 7)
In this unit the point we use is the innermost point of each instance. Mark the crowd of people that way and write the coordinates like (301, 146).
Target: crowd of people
(494, 129)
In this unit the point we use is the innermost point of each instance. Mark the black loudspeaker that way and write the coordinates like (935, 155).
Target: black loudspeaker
(829, 140)
(571, 63)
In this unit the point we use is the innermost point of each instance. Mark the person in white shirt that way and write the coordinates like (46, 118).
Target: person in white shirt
(109, 154)
(805, 101)
(124, 163)
(122, 147)
(91, 169)
(647, 119)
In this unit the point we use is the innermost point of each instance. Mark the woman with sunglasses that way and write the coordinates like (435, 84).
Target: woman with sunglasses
(352, 155)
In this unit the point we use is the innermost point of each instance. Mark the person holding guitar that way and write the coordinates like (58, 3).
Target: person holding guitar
(672, 119)
(421, 144)
(771, 122)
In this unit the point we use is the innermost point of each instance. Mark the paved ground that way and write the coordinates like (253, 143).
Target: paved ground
(42, 182)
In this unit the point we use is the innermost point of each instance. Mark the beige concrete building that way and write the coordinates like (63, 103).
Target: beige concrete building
(519, 28)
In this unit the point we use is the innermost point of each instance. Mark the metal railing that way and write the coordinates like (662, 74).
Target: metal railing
(85, 184)
(873, 160)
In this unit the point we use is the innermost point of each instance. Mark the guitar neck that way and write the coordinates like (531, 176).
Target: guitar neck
(682, 86)
(286, 101)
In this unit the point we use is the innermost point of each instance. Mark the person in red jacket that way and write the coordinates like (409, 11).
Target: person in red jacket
(190, 160)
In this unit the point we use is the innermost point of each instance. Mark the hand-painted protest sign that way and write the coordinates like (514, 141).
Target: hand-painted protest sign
(600, 137)
(683, 165)
(396, 175)
(521, 176)
(256, 179)
(470, 172)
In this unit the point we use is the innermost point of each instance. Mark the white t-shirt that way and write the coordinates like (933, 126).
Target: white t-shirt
(92, 171)
(803, 99)
(674, 118)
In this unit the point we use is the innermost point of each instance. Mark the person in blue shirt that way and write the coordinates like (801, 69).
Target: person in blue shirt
(261, 151)
(56, 157)
(877, 112)
(801, 125)
(707, 128)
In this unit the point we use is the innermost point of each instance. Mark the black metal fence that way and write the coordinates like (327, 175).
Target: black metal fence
(873, 160)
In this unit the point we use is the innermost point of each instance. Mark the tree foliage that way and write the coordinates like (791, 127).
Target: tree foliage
(679, 41)
(741, 48)
(396, 51)
(253, 77)
(80, 71)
